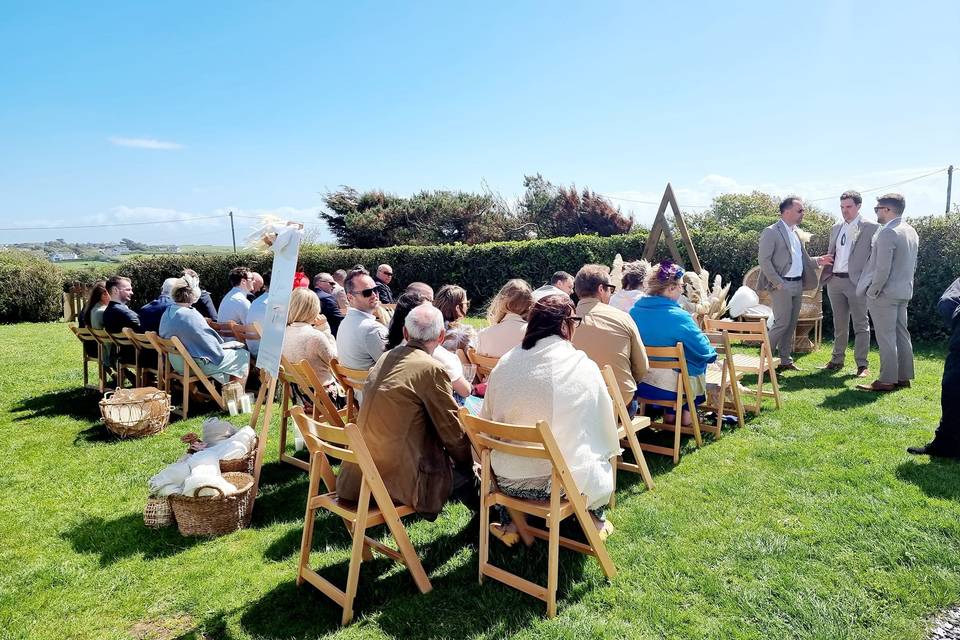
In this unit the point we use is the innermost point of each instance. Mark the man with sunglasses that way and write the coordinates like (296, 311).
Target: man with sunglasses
(887, 281)
(324, 286)
(382, 279)
(608, 335)
(361, 338)
(786, 271)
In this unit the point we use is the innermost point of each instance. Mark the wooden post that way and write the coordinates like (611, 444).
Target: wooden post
(268, 388)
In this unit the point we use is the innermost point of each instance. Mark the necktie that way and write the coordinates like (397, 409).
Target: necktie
(843, 239)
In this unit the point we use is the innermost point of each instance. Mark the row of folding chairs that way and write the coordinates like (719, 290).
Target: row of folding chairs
(330, 432)
(144, 358)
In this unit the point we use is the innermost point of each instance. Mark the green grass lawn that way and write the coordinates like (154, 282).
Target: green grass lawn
(811, 522)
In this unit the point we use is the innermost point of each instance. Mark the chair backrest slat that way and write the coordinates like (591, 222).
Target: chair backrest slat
(665, 357)
(485, 364)
(302, 374)
(521, 440)
(323, 438)
(353, 378)
(738, 331)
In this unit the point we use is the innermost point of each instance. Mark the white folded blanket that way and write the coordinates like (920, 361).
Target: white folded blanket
(216, 430)
(192, 487)
(170, 479)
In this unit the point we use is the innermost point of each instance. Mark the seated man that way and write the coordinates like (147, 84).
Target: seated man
(361, 338)
(258, 312)
(235, 305)
(561, 283)
(256, 286)
(608, 335)
(151, 312)
(339, 276)
(409, 422)
(118, 315)
(383, 278)
(324, 285)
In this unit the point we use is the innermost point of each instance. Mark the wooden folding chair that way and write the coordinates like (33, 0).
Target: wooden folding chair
(148, 359)
(531, 442)
(764, 364)
(347, 444)
(108, 357)
(305, 378)
(188, 380)
(244, 332)
(225, 329)
(723, 374)
(672, 358)
(352, 380)
(627, 429)
(127, 358)
(86, 339)
(485, 363)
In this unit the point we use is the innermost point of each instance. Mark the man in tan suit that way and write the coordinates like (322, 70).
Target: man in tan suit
(846, 258)
(607, 335)
(786, 271)
(887, 281)
(408, 419)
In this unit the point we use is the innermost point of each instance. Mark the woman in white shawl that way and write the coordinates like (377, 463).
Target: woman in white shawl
(546, 378)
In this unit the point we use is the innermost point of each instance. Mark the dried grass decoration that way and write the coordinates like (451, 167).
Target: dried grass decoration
(135, 413)
(707, 302)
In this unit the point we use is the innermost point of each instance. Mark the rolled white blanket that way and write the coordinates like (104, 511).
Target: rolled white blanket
(206, 462)
(192, 487)
(170, 477)
(216, 430)
(245, 436)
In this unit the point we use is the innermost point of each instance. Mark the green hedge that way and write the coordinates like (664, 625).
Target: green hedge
(30, 288)
(483, 268)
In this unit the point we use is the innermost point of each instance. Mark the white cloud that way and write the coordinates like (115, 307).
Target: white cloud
(924, 196)
(144, 143)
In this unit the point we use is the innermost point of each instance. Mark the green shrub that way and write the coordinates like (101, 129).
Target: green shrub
(30, 288)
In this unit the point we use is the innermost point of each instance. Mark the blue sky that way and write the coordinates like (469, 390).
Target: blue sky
(137, 112)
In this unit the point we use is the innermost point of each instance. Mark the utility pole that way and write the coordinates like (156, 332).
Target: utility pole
(949, 185)
(233, 234)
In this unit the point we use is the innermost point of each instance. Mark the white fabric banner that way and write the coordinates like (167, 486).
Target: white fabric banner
(286, 249)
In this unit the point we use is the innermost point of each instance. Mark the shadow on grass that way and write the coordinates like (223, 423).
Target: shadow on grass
(78, 404)
(283, 495)
(849, 399)
(126, 536)
(388, 596)
(937, 479)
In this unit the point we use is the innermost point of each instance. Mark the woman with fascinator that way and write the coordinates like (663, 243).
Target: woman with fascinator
(663, 323)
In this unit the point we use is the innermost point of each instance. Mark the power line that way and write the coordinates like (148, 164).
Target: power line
(886, 186)
(112, 224)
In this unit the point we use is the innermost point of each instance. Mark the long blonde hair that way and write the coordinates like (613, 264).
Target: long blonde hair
(514, 297)
(304, 306)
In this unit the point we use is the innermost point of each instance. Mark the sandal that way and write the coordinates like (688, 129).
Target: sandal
(606, 531)
(500, 532)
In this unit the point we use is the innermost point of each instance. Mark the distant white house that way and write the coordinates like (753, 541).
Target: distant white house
(60, 256)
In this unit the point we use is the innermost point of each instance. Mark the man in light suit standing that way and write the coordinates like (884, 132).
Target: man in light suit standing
(848, 253)
(786, 271)
(887, 282)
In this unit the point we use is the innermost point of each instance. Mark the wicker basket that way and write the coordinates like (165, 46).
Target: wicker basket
(214, 516)
(157, 513)
(135, 413)
(239, 465)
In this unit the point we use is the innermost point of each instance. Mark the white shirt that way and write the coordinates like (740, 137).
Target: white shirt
(497, 339)
(624, 299)
(360, 340)
(844, 245)
(234, 306)
(796, 251)
(451, 363)
(548, 290)
(256, 313)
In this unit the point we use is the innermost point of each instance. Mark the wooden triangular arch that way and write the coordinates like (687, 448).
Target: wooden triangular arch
(660, 227)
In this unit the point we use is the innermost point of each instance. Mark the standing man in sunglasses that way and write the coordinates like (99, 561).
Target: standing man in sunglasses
(786, 271)
(361, 338)
(608, 335)
(850, 251)
(887, 281)
(383, 278)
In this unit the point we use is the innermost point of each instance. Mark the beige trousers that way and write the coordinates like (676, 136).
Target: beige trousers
(786, 303)
(847, 306)
(889, 318)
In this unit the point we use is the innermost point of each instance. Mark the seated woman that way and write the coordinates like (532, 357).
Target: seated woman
(91, 317)
(663, 323)
(548, 379)
(451, 363)
(307, 338)
(215, 358)
(508, 319)
(453, 304)
(631, 288)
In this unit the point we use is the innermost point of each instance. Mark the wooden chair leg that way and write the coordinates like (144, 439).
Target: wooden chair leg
(309, 521)
(185, 382)
(553, 552)
(484, 550)
(356, 553)
(641, 461)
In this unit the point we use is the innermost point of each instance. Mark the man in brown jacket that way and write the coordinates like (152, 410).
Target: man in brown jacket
(408, 420)
(607, 335)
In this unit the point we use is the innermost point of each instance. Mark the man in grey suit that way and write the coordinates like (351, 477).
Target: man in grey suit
(846, 258)
(786, 271)
(887, 282)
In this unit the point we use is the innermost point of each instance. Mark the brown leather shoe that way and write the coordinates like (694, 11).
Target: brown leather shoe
(832, 366)
(788, 367)
(863, 372)
(877, 386)
(903, 384)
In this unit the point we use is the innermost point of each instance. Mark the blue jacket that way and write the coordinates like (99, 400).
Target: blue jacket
(201, 342)
(151, 313)
(330, 310)
(663, 323)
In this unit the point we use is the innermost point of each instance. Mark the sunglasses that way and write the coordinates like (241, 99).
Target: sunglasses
(879, 209)
(610, 287)
(366, 293)
(576, 320)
